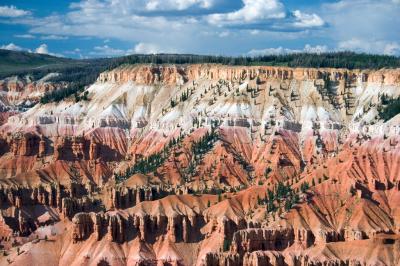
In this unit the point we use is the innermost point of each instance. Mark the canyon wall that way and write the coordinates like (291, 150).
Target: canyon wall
(205, 165)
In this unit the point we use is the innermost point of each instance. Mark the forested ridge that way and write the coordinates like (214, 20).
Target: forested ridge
(349, 60)
(80, 73)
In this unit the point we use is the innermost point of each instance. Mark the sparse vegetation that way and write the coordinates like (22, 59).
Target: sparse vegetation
(226, 245)
(205, 143)
(267, 172)
(390, 107)
(150, 163)
(280, 194)
(304, 187)
(199, 149)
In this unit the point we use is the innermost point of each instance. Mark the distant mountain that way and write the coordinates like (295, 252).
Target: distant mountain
(15, 61)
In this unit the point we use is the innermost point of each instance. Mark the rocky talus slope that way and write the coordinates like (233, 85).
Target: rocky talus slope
(203, 165)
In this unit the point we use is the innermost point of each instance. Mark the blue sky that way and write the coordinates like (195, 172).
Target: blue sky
(106, 28)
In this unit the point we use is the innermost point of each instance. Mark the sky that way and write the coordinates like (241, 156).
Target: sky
(108, 28)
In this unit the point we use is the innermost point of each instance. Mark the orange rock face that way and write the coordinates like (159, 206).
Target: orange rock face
(205, 165)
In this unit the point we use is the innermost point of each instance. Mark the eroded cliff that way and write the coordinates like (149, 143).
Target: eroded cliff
(206, 165)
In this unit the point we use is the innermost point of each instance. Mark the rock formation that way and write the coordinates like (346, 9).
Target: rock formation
(203, 165)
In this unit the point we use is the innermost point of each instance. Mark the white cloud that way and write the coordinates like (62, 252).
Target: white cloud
(140, 48)
(254, 32)
(162, 5)
(106, 50)
(392, 48)
(12, 12)
(149, 48)
(252, 11)
(12, 47)
(25, 36)
(54, 37)
(117, 25)
(76, 52)
(280, 50)
(42, 49)
(156, 24)
(272, 51)
(318, 49)
(363, 25)
(133, 21)
(224, 34)
(356, 45)
(370, 46)
(133, 6)
(304, 20)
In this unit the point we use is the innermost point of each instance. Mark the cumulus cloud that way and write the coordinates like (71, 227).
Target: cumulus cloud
(12, 47)
(370, 46)
(280, 50)
(252, 11)
(12, 12)
(42, 49)
(219, 27)
(149, 48)
(318, 49)
(149, 21)
(304, 20)
(363, 25)
(140, 48)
